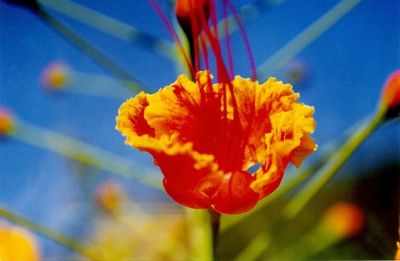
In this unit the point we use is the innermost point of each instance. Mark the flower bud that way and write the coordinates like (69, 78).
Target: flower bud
(192, 16)
(6, 121)
(391, 90)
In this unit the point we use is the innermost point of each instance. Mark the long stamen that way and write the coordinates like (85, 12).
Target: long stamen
(245, 38)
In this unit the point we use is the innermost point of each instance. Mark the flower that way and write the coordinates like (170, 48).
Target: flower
(344, 219)
(204, 136)
(391, 90)
(6, 121)
(55, 76)
(17, 244)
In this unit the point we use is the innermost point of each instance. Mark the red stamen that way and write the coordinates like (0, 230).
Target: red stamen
(245, 40)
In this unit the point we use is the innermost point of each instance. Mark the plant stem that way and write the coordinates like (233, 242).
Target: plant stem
(337, 160)
(215, 224)
(56, 237)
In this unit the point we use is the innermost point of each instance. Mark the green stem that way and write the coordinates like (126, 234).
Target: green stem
(337, 160)
(215, 224)
(56, 237)
(82, 152)
(117, 71)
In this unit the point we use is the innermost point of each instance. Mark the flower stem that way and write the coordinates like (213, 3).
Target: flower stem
(337, 160)
(113, 68)
(215, 224)
(56, 237)
(81, 152)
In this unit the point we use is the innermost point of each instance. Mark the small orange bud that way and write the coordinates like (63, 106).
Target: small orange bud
(55, 75)
(344, 219)
(109, 196)
(6, 121)
(192, 14)
(17, 244)
(391, 90)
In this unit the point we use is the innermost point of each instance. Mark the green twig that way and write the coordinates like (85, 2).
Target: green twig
(117, 71)
(110, 26)
(82, 152)
(56, 237)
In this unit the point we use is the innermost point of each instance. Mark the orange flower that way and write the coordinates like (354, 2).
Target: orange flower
(205, 136)
(17, 244)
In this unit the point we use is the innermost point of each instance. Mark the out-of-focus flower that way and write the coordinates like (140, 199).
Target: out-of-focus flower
(55, 76)
(6, 121)
(109, 196)
(17, 244)
(297, 72)
(205, 136)
(344, 220)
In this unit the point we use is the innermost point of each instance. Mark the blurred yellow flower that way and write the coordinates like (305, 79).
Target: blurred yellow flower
(17, 244)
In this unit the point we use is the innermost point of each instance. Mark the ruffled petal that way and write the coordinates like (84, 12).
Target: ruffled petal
(130, 120)
(288, 141)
